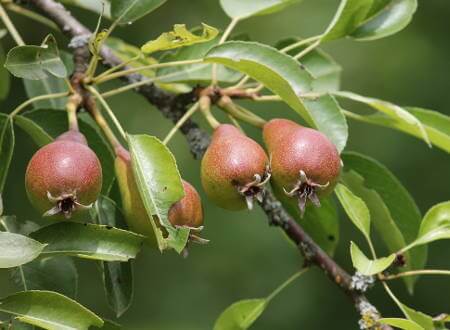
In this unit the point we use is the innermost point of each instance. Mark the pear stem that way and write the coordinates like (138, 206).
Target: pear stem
(180, 122)
(205, 108)
(227, 104)
(72, 107)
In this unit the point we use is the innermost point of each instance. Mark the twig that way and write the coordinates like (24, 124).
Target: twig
(10, 27)
(415, 273)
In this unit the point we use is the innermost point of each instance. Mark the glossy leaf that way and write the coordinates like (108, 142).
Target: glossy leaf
(49, 310)
(50, 85)
(159, 185)
(355, 208)
(321, 223)
(392, 17)
(180, 36)
(4, 76)
(394, 214)
(245, 8)
(97, 6)
(6, 147)
(131, 10)
(89, 241)
(349, 15)
(436, 124)
(435, 225)
(281, 74)
(43, 125)
(16, 249)
(422, 319)
(36, 62)
(401, 323)
(195, 73)
(117, 276)
(57, 274)
(391, 110)
(367, 266)
(240, 315)
(325, 71)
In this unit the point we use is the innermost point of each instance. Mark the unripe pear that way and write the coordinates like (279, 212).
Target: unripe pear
(234, 169)
(304, 162)
(64, 177)
(133, 207)
(187, 211)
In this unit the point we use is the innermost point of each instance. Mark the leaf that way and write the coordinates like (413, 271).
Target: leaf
(57, 274)
(195, 73)
(4, 76)
(131, 10)
(369, 19)
(281, 74)
(435, 225)
(89, 241)
(241, 9)
(159, 185)
(126, 52)
(43, 125)
(50, 85)
(16, 250)
(36, 62)
(355, 208)
(322, 67)
(321, 223)
(401, 323)
(240, 315)
(179, 37)
(6, 147)
(391, 110)
(49, 310)
(117, 276)
(366, 266)
(96, 6)
(436, 124)
(423, 320)
(393, 17)
(394, 214)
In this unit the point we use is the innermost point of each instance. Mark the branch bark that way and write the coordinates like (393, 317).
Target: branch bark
(173, 107)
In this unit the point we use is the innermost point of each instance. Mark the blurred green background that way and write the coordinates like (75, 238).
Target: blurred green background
(246, 258)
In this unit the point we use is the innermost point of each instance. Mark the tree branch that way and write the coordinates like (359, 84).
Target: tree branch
(173, 107)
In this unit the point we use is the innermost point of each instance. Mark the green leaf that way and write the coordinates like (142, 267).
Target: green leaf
(96, 6)
(4, 76)
(355, 208)
(16, 250)
(180, 36)
(240, 315)
(281, 74)
(117, 276)
(321, 223)
(49, 310)
(43, 125)
(125, 52)
(195, 73)
(370, 19)
(436, 124)
(423, 320)
(322, 67)
(394, 214)
(131, 10)
(36, 62)
(50, 85)
(401, 323)
(57, 274)
(241, 9)
(392, 17)
(366, 266)
(89, 241)
(6, 147)
(435, 225)
(393, 111)
(159, 185)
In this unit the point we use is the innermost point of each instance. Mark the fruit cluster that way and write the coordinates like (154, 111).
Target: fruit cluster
(64, 178)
